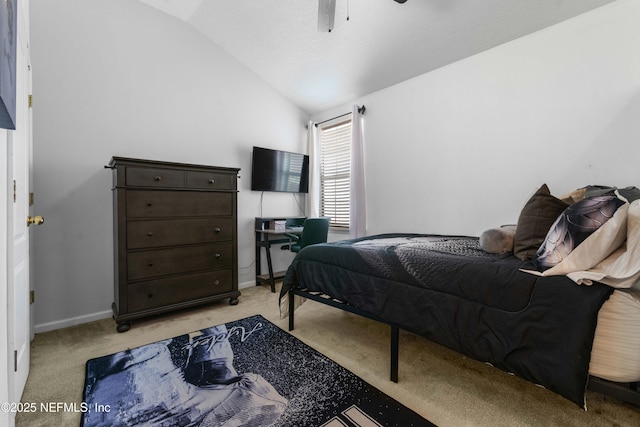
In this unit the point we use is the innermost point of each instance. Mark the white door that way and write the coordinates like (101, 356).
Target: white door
(4, 267)
(19, 168)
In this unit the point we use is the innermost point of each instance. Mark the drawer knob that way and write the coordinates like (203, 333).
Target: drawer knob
(217, 229)
(149, 204)
(216, 283)
(212, 181)
(150, 233)
(157, 178)
(218, 255)
(150, 264)
(150, 295)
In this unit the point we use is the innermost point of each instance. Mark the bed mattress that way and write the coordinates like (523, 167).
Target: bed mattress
(616, 345)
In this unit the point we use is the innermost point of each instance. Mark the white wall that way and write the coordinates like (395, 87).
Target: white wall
(462, 148)
(115, 77)
(455, 151)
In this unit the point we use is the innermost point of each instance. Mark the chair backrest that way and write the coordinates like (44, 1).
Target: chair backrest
(315, 231)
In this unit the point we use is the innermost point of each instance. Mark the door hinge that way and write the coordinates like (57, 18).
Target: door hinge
(15, 191)
(30, 101)
(32, 297)
(15, 360)
(31, 198)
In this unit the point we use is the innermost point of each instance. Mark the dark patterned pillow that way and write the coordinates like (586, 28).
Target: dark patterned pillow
(573, 226)
(536, 217)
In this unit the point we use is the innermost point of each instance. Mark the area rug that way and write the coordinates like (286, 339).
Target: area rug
(247, 372)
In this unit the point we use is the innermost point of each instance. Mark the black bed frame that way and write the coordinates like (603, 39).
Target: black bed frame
(625, 392)
(325, 299)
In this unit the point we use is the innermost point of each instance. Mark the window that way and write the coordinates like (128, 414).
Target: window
(335, 171)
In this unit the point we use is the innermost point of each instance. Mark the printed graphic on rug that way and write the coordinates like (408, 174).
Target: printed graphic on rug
(243, 373)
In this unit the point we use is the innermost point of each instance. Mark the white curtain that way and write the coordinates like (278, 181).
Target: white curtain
(313, 197)
(358, 214)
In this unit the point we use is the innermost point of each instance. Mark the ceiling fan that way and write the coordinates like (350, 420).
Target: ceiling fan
(327, 14)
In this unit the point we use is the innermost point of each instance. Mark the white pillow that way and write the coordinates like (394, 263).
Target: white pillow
(622, 268)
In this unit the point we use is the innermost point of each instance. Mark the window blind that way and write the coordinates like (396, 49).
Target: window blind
(335, 172)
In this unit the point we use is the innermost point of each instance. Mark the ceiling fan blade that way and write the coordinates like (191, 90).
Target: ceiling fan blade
(326, 15)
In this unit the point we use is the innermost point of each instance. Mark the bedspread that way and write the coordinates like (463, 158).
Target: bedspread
(445, 288)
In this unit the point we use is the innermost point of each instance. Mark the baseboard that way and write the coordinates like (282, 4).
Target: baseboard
(248, 284)
(73, 321)
(252, 284)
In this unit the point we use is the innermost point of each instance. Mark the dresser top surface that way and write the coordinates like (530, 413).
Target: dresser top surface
(127, 161)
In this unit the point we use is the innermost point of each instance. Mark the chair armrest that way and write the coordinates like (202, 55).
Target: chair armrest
(293, 237)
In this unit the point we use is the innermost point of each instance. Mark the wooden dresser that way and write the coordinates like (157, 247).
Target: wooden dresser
(175, 237)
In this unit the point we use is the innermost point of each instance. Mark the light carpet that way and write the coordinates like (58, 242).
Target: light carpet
(443, 386)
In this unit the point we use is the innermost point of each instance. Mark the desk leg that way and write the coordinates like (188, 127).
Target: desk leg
(258, 263)
(272, 282)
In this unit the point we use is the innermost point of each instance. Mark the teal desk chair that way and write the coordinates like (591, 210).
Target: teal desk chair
(314, 231)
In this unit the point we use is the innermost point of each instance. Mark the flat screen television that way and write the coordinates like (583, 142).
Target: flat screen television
(276, 170)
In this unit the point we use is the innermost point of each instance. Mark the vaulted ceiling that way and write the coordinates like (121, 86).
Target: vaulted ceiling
(374, 44)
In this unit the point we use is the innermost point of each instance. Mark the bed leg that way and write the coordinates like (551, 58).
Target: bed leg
(395, 337)
(291, 309)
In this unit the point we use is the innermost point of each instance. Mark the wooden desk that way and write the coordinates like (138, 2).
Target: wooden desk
(265, 237)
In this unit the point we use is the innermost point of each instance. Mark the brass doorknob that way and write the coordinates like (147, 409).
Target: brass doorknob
(36, 220)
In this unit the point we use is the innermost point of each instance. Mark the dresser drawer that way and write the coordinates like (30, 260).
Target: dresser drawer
(152, 294)
(161, 262)
(211, 180)
(154, 177)
(156, 233)
(157, 203)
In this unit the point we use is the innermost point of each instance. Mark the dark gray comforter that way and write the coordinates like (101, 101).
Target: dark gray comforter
(445, 288)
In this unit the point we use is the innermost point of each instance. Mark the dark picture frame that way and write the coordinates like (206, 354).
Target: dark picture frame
(8, 43)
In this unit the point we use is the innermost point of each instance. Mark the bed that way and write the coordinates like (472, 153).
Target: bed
(563, 331)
